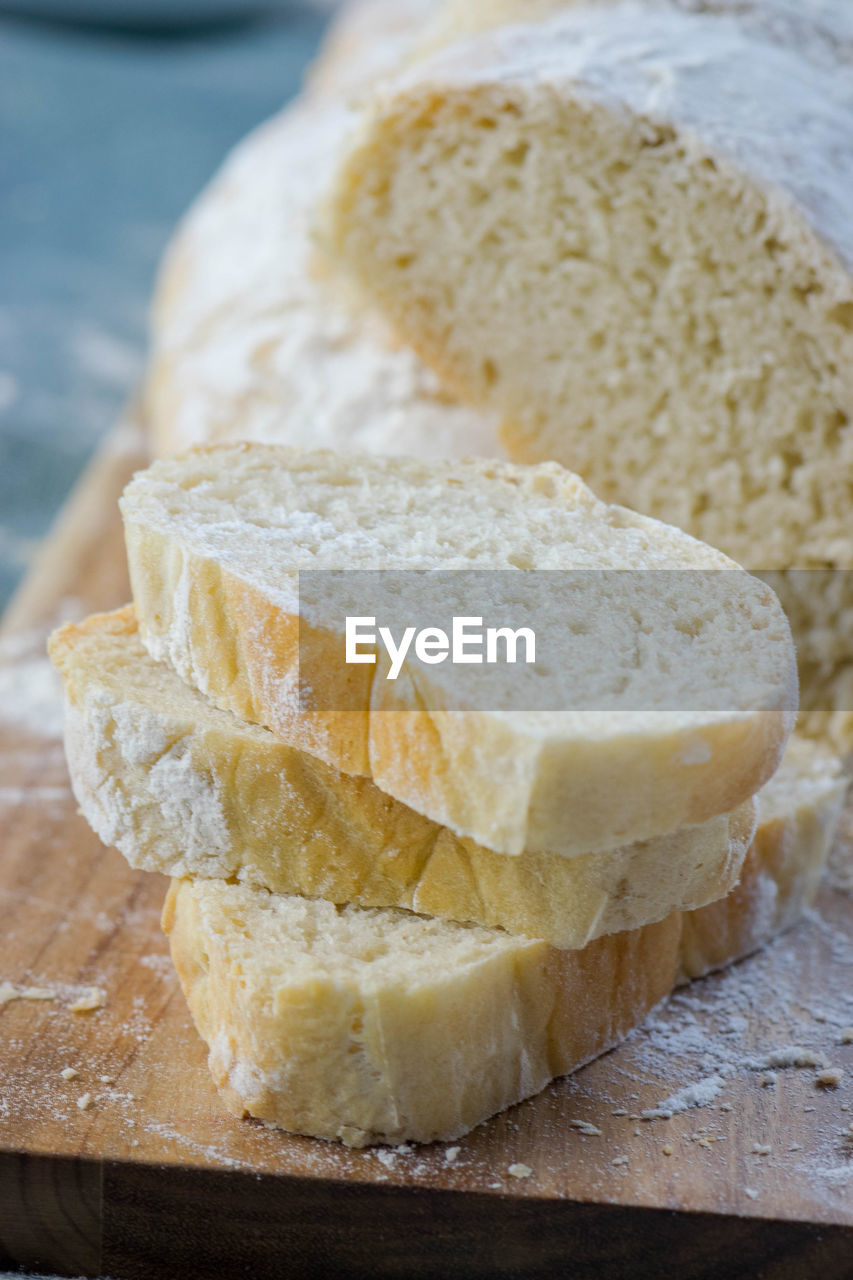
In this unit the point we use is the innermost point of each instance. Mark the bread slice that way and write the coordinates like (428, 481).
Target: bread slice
(576, 225)
(180, 787)
(216, 541)
(798, 814)
(382, 1026)
(251, 339)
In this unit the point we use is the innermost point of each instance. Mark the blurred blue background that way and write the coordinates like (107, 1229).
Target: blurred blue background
(106, 134)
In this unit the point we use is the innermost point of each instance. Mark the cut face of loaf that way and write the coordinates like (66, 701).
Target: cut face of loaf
(628, 234)
(180, 787)
(215, 542)
(252, 341)
(380, 1026)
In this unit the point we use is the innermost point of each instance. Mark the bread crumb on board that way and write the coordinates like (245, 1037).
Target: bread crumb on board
(9, 991)
(519, 1170)
(94, 998)
(584, 1126)
(84, 1102)
(91, 998)
(69, 1073)
(451, 1153)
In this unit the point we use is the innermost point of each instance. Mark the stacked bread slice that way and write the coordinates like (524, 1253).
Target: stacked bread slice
(391, 921)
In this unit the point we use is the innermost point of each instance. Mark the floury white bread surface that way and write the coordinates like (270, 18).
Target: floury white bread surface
(368, 39)
(626, 234)
(821, 30)
(251, 339)
(181, 787)
(381, 1026)
(215, 542)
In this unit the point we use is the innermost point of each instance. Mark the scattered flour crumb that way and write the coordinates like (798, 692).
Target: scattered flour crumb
(768, 1079)
(667, 1150)
(520, 1171)
(386, 1157)
(94, 998)
(8, 991)
(749, 1191)
(84, 1102)
(830, 1078)
(846, 1035)
(700, 1094)
(584, 1126)
(761, 1149)
(451, 1153)
(107, 1079)
(618, 1161)
(791, 1055)
(68, 1073)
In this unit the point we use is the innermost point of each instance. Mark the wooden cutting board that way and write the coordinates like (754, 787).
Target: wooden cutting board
(127, 1165)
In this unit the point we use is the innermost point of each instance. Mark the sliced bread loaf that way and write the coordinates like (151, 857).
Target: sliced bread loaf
(180, 787)
(626, 234)
(694, 670)
(381, 1026)
(582, 230)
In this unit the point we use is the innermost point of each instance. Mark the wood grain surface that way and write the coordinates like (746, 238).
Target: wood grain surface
(149, 1177)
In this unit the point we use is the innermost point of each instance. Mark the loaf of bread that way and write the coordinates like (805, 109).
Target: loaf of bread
(626, 234)
(688, 678)
(382, 1026)
(181, 787)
